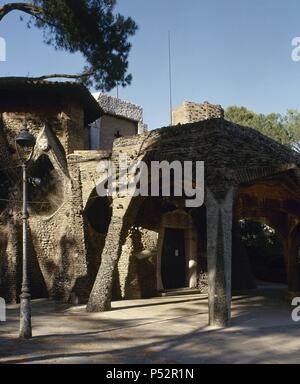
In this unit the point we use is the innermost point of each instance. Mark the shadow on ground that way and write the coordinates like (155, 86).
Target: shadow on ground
(161, 330)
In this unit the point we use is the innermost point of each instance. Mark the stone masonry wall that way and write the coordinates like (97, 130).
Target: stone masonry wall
(9, 259)
(191, 112)
(77, 134)
(67, 125)
(57, 249)
(137, 264)
(60, 247)
(88, 162)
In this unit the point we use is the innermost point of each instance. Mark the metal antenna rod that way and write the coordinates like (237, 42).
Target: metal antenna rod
(170, 79)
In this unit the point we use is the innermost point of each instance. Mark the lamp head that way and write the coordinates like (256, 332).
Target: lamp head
(25, 139)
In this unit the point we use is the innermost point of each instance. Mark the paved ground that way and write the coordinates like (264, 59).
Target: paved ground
(162, 330)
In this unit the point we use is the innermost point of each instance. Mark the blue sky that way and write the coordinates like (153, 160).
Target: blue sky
(226, 52)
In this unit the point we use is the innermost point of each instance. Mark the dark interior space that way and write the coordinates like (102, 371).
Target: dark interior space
(45, 188)
(98, 213)
(97, 218)
(264, 250)
(173, 259)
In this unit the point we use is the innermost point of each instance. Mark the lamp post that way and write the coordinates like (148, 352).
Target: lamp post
(25, 144)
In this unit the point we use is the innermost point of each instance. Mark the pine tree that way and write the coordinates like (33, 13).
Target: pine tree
(90, 27)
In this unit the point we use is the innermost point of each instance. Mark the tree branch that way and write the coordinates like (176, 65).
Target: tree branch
(62, 76)
(30, 9)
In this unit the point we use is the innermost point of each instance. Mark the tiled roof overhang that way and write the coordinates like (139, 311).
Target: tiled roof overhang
(25, 91)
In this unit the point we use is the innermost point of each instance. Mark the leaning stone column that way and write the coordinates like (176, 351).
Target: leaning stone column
(101, 295)
(124, 213)
(219, 257)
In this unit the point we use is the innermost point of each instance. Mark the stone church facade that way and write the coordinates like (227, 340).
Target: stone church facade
(90, 249)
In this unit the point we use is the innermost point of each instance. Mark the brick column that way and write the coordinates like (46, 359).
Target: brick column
(219, 257)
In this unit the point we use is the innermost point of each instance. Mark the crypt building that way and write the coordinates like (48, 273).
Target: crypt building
(87, 248)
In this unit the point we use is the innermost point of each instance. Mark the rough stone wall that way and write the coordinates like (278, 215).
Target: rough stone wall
(59, 244)
(77, 134)
(12, 122)
(191, 112)
(137, 264)
(67, 125)
(5, 152)
(9, 259)
(57, 249)
(88, 163)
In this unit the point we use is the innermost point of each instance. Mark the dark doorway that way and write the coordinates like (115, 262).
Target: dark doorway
(173, 264)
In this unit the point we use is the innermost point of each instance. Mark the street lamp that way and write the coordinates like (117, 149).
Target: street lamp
(25, 144)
